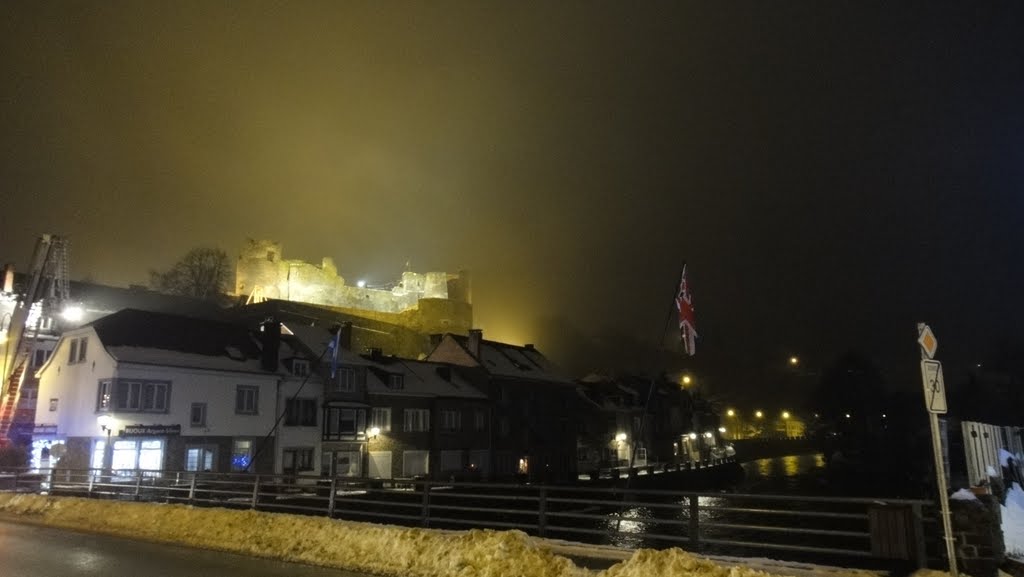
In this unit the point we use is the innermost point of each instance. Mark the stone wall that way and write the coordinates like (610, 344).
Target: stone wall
(977, 525)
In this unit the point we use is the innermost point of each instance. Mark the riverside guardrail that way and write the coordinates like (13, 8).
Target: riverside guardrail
(865, 531)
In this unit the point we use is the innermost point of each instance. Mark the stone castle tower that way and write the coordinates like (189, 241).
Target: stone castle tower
(433, 302)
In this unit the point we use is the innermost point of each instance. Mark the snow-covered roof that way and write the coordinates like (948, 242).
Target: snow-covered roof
(420, 379)
(513, 361)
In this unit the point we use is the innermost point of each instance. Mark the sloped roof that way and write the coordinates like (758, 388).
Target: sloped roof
(154, 338)
(421, 379)
(136, 328)
(513, 361)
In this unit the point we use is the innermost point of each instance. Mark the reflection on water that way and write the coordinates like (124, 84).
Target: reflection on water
(629, 527)
(722, 517)
(793, 474)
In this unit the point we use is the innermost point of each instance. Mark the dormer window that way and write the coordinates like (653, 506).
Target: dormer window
(396, 382)
(300, 368)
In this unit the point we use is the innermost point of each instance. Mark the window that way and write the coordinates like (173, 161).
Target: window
(200, 458)
(241, 454)
(346, 380)
(300, 413)
(300, 368)
(296, 460)
(103, 402)
(503, 428)
(381, 418)
(344, 422)
(134, 396)
(480, 421)
(417, 420)
(451, 420)
(73, 353)
(197, 416)
(396, 382)
(81, 349)
(53, 405)
(39, 357)
(247, 400)
(415, 463)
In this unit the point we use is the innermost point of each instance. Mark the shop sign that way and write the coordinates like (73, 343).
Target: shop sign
(150, 430)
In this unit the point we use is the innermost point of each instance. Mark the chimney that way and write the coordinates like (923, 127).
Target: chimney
(8, 278)
(473, 344)
(375, 353)
(345, 340)
(270, 338)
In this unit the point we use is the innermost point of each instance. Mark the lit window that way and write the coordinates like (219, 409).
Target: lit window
(381, 418)
(241, 454)
(200, 458)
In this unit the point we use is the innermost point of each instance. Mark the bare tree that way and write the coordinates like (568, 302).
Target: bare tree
(202, 273)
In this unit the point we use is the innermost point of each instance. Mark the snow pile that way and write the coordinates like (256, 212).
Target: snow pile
(963, 495)
(364, 547)
(1013, 522)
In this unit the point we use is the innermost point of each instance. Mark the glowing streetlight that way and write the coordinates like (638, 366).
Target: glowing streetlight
(731, 413)
(758, 414)
(687, 380)
(361, 284)
(794, 361)
(373, 432)
(785, 414)
(72, 314)
(721, 429)
(621, 437)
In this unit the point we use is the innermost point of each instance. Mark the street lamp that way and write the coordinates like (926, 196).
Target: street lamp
(758, 414)
(107, 424)
(794, 361)
(731, 413)
(785, 414)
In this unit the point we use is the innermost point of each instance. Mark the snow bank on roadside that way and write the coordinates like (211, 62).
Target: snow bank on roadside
(364, 547)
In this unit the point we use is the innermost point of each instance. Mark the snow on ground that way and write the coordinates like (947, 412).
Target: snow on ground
(368, 547)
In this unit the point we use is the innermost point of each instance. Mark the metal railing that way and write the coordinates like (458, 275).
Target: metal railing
(819, 529)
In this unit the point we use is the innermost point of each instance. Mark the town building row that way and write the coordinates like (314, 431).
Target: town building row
(155, 391)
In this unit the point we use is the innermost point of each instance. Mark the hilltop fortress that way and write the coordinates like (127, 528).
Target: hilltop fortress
(428, 303)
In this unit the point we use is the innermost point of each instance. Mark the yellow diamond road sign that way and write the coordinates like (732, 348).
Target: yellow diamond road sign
(926, 338)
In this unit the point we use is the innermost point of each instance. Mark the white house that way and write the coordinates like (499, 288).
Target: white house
(152, 391)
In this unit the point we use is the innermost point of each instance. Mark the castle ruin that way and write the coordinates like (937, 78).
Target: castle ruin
(433, 302)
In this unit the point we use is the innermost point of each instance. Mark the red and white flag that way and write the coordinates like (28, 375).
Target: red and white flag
(687, 325)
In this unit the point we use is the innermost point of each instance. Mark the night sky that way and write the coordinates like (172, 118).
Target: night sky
(832, 172)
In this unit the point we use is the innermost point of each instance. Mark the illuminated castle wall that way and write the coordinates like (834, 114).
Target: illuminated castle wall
(433, 302)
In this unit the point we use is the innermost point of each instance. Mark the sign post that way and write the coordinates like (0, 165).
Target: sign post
(935, 402)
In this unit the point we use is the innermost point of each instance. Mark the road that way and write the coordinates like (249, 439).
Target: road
(31, 551)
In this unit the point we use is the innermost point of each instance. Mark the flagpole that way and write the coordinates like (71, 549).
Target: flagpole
(650, 390)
